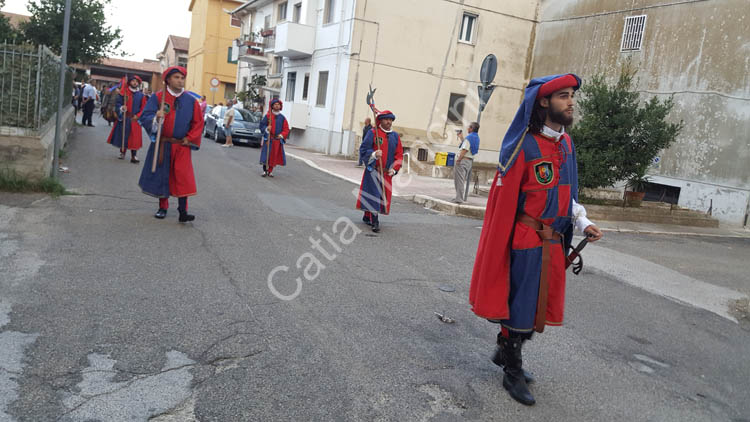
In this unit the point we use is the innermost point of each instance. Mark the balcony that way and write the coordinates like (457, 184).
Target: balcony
(294, 40)
(252, 52)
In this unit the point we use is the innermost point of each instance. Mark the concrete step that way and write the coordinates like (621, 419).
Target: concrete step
(654, 215)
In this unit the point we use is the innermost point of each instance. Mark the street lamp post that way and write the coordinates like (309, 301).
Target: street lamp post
(60, 93)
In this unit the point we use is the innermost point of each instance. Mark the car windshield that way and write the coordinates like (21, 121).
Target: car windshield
(242, 115)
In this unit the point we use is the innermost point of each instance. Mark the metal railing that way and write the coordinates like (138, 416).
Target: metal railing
(29, 76)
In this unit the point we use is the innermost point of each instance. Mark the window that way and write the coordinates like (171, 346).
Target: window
(282, 12)
(229, 91)
(322, 89)
(243, 87)
(305, 85)
(297, 13)
(632, 33)
(328, 12)
(456, 108)
(291, 81)
(229, 55)
(467, 28)
(182, 61)
(235, 21)
(277, 64)
(267, 22)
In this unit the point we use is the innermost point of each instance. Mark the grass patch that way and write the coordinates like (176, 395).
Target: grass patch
(10, 181)
(62, 153)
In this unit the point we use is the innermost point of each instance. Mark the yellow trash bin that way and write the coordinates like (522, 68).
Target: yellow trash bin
(441, 158)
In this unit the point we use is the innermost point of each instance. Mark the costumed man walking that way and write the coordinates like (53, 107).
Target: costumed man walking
(181, 128)
(382, 152)
(275, 130)
(519, 272)
(129, 106)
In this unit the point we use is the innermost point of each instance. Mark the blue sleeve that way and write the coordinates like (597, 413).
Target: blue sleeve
(149, 112)
(120, 101)
(365, 150)
(263, 126)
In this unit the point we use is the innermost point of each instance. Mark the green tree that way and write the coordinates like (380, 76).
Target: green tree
(7, 32)
(618, 136)
(252, 91)
(90, 37)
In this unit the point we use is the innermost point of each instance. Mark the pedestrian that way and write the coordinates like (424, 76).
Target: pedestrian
(108, 104)
(365, 131)
(129, 105)
(228, 120)
(462, 167)
(77, 96)
(203, 105)
(182, 126)
(89, 101)
(382, 152)
(519, 272)
(275, 130)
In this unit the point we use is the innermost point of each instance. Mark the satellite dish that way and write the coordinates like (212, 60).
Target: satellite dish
(489, 69)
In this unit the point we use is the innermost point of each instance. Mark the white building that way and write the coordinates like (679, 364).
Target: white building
(302, 47)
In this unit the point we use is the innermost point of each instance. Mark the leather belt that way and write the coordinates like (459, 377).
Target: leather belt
(164, 140)
(547, 234)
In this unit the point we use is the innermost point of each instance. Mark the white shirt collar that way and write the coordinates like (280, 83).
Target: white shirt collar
(132, 89)
(386, 131)
(551, 133)
(175, 94)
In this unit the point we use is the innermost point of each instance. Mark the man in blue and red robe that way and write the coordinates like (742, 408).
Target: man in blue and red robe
(129, 103)
(182, 126)
(519, 273)
(275, 130)
(382, 153)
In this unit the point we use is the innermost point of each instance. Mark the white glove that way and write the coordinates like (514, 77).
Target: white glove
(391, 172)
(123, 109)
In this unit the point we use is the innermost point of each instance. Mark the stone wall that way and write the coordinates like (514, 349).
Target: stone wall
(29, 153)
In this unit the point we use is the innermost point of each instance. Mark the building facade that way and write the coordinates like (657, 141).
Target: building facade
(422, 56)
(175, 52)
(694, 51)
(211, 35)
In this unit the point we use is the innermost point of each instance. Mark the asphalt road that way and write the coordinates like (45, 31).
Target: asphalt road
(109, 314)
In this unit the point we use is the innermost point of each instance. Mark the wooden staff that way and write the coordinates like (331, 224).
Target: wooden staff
(377, 140)
(124, 115)
(158, 131)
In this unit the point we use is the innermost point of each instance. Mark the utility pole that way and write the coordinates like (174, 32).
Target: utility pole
(60, 94)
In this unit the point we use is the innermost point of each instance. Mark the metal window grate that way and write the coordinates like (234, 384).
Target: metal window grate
(632, 33)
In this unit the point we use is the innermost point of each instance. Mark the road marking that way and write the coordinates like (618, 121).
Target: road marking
(663, 281)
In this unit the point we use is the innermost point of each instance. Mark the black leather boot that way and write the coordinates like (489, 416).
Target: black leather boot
(185, 217)
(161, 213)
(366, 219)
(514, 381)
(375, 223)
(499, 359)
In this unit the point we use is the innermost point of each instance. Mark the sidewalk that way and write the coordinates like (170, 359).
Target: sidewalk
(438, 194)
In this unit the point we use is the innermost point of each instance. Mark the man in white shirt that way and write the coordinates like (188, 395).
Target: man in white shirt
(89, 100)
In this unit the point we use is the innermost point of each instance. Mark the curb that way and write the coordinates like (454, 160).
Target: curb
(473, 211)
(450, 208)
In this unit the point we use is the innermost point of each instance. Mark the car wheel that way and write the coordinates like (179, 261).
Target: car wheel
(205, 131)
(216, 135)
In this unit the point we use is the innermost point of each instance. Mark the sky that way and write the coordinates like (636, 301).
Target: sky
(145, 24)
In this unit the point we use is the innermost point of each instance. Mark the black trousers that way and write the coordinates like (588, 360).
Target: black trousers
(88, 112)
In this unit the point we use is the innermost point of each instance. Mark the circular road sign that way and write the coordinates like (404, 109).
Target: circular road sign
(214, 82)
(489, 68)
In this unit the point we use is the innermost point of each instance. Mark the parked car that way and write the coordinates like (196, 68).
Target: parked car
(245, 128)
(208, 111)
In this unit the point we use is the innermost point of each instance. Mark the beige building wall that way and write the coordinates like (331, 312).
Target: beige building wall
(696, 51)
(410, 52)
(211, 36)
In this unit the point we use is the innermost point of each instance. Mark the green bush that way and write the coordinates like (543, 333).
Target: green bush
(10, 181)
(617, 137)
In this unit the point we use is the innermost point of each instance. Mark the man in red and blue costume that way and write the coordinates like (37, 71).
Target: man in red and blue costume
(383, 154)
(275, 130)
(130, 103)
(182, 126)
(519, 273)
